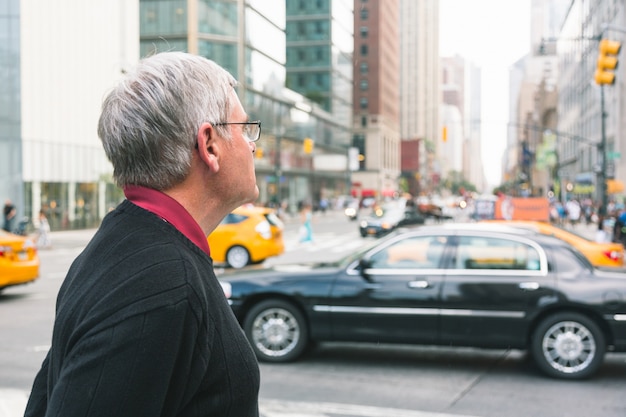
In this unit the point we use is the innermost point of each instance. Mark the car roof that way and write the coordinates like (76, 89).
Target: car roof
(498, 229)
(472, 226)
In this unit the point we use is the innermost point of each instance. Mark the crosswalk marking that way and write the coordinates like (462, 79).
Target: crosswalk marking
(277, 408)
(325, 241)
(13, 403)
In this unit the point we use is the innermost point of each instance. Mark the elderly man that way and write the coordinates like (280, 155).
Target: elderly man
(142, 325)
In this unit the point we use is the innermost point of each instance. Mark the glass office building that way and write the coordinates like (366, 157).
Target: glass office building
(249, 39)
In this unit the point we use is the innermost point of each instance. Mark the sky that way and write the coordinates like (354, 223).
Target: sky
(492, 34)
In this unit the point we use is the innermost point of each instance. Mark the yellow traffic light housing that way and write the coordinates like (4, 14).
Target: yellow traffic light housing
(308, 145)
(607, 61)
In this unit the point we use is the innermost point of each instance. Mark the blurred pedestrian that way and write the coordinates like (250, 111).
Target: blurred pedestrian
(9, 213)
(573, 211)
(43, 231)
(306, 223)
(601, 234)
(142, 325)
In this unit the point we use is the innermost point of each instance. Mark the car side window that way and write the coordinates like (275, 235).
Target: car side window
(233, 218)
(478, 252)
(416, 252)
(568, 263)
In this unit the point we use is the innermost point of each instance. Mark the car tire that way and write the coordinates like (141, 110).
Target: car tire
(277, 331)
(568, 346)
(237, 257)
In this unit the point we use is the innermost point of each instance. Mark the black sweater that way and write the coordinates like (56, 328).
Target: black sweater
(143, 328)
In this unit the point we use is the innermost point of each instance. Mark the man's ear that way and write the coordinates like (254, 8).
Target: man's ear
(208, 146)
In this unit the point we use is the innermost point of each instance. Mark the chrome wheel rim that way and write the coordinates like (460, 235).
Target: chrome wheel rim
(275, 332)
(238, 257)
(569, 347)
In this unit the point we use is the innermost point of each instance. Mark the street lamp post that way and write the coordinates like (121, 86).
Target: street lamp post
(604, 198)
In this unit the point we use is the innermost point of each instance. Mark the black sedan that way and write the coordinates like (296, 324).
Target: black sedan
(453, 285)
(385, 219)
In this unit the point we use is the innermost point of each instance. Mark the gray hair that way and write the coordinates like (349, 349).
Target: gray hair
(149, 122)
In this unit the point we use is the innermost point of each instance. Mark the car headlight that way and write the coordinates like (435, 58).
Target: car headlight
(364, 224)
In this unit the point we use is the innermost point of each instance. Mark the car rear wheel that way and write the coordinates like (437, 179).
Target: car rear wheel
(237, 257)
(568, 346)
(276, 330)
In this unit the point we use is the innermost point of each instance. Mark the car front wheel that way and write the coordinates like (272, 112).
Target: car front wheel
(276, 330)
(237, 257)
(568, 346)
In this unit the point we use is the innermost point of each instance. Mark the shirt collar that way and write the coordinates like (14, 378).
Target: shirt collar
(169, 210)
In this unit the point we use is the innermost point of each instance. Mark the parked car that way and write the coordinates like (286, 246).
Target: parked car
(606, 254)
(19, 260)
(247, 235)
(383, 220)
(452, 284)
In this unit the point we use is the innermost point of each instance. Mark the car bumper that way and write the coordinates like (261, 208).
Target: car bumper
(19, 274)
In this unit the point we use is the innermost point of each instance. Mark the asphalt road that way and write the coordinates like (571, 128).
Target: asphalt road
(339, 381)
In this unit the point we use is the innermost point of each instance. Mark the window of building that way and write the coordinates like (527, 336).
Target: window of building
(364, 13)
(363, 121)
(319, 28)
(364, 68)
(364, 85)
(319, 54)
(364, 31)
(364, 50)
(363, 102)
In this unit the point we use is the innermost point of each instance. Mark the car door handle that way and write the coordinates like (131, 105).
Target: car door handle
(419, 284)
(372, 286)
(529, 286)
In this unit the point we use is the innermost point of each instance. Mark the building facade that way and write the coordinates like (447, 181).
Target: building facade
(50, 154)
(250, 39)
(376, 97)
(583, 141)
(420, 92)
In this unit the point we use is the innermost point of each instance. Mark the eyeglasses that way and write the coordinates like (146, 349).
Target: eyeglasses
(251, 130)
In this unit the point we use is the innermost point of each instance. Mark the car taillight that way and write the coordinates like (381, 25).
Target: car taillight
(5, 250)
(614, 255)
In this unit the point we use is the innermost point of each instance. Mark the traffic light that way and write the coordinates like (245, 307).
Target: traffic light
(308, 145)
(607, 61)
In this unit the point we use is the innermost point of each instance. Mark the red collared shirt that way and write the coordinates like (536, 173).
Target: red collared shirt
(169, 210)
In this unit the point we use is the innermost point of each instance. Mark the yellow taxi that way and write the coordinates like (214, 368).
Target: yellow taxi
(246, 236)
(607, 254)
(19, 260)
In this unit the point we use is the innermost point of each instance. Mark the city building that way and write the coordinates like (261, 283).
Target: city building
(420, 93)
(58, 61)
(591, 132)
(376, 97)
(303, 149)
